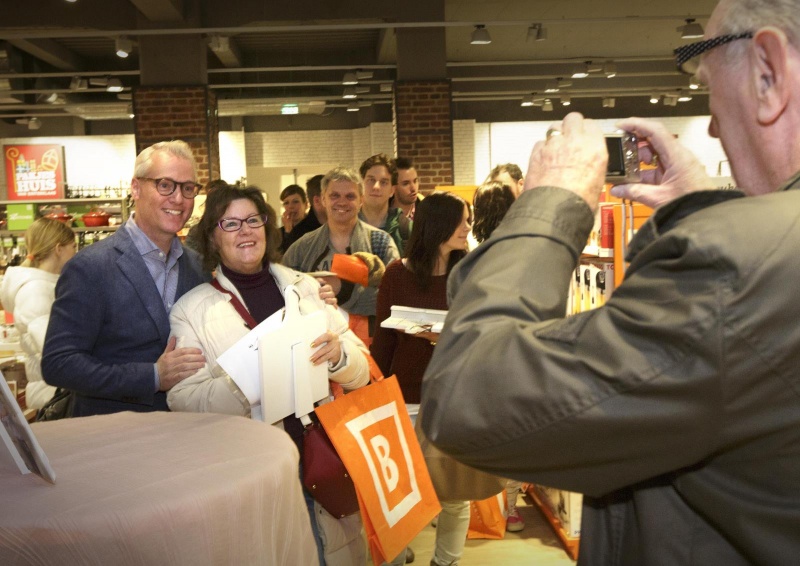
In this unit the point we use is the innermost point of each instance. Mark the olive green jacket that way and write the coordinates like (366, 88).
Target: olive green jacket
(675, 407)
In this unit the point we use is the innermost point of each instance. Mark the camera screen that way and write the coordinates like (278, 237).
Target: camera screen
(616, 156)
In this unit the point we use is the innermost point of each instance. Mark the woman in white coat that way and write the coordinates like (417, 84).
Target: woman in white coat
(28, 292)
(238, 236)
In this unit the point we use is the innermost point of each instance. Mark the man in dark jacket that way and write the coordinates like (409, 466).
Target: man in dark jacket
(675, 408)
(107, 339)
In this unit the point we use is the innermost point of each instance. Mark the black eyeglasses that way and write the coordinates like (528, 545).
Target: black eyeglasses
(166, 186)
(686, 56)
(235, 224)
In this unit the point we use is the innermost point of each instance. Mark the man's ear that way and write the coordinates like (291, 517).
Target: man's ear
(771, 73)
(135, 188)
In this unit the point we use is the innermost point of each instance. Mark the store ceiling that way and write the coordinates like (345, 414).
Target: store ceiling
(262, 55)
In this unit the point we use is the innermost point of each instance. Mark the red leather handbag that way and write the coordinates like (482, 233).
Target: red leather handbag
(324, 474)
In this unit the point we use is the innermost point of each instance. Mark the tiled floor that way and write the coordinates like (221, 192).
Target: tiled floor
(535, 545)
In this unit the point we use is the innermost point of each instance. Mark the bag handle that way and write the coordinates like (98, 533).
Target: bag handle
(248, 319)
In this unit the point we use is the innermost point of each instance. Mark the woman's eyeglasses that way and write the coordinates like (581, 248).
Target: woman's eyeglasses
(235, 224)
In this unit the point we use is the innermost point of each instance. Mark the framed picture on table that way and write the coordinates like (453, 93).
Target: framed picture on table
(19, 439)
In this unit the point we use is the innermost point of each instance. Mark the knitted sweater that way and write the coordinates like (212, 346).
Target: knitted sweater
(398, 353)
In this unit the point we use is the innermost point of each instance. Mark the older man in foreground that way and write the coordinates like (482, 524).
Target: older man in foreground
(675, 408)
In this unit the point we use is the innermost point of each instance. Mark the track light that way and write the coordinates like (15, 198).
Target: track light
(551, 86)
(583, 71)
(536, 32)
(98, 81)
(352, 107)
(130, 111)
(565, 100)
(349, 92)
(670, 100)
(564, 83)
(691, 29)
(527, 100)
(363, 75)
(114, 85)
(349, 78)
(694, 84)
(480, 36)
(34, 123)
(654, 98)
(123, 46)
(362, 89)
(684, 97)
(78, 83)
(610, 69)
(609, 102)
(547, 106)
(386, 87)
(219, 43)
(48, 98)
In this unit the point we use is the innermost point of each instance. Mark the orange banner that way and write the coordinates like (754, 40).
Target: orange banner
(373, 435)
(34, 172)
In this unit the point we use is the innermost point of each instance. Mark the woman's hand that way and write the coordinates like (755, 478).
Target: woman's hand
(326, 292)
(329, 349)
(288, 221)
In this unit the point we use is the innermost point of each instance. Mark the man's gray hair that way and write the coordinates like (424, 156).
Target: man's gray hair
(342, 173)
(176, 148)
(751, 15)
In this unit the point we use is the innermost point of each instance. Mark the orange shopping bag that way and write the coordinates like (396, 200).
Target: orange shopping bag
(372, 432)
(487, 517)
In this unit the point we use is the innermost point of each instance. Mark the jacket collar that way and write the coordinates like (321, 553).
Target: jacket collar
(667, 216)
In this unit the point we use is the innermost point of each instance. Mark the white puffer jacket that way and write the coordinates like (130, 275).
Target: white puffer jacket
(28, 293)
(204, 318)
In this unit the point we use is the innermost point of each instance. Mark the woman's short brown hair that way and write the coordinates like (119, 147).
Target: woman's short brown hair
(216, 204)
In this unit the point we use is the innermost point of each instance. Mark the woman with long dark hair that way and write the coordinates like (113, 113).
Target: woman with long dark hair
(438, 241)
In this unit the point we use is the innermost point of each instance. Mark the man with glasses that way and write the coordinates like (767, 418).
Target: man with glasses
(108, 334)
(675, 408)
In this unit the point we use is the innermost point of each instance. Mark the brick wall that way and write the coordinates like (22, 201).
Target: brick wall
(185, 113)
(423, 129)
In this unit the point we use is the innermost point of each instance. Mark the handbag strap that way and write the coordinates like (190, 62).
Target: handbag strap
(249, 321)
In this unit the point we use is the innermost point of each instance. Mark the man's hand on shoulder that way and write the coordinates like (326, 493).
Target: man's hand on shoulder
(176, 364)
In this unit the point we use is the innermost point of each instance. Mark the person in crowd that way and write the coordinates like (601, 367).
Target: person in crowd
(509, 174)
(312, 220)
(438, 241)
(490, 204)
(28, 292)
(674, 407)
(240, 240)
(108, 337)
(191, 240)
(295, 207)
(406, 195)
(379, 173)
(344, 233)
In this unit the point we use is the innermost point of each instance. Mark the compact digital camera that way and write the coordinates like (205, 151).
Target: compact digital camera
(623, 158)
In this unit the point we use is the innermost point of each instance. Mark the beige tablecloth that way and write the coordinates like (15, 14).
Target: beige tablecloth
(158, 488)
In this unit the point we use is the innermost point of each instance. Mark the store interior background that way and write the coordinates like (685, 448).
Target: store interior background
(298, 53)
(262, 157)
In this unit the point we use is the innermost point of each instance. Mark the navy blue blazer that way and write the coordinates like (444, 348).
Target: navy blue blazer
(109, 326)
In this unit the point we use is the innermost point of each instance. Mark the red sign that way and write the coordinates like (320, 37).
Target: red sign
(34, 172)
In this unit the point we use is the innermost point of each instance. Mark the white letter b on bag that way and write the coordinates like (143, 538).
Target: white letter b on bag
(391, 475)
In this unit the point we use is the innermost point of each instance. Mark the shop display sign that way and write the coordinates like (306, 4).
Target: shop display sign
(34, 172)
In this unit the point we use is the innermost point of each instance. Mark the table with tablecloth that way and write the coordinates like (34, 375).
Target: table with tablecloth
(158, 488)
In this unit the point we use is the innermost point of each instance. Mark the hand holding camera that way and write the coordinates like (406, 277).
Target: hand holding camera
(677, 170)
